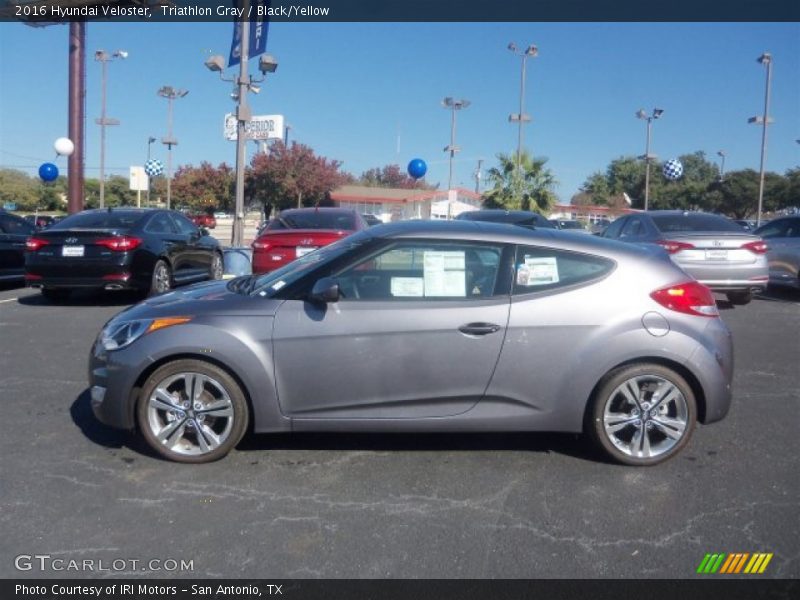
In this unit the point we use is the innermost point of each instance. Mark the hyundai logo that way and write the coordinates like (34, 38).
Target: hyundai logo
(71, 240)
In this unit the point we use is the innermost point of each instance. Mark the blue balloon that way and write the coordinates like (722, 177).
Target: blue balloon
(48, 172)
(417, 168)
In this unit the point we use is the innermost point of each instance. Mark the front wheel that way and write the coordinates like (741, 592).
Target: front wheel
(217, 267)
(642, 414)
(161, 280)
(192, 411)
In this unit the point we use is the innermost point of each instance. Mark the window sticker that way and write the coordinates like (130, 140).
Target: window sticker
(408, 287)
(444, 272)
(539, 270)
(278, 285)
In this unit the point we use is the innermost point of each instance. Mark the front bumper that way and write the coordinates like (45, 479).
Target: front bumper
(113, 388)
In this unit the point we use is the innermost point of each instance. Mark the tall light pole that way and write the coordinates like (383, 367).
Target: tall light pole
(150, 140)
(104, 58)
(244, 83)
(657, 112)
(521, 118)
(722, 154)
(170, 93)
(453, 105)
(764, 59)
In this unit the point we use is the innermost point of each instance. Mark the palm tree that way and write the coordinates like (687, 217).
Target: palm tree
(529, 189)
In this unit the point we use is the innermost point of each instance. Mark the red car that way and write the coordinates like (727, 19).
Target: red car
(203, 220)
(299, 231)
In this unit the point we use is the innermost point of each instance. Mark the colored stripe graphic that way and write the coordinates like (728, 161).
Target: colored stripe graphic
(734, 564)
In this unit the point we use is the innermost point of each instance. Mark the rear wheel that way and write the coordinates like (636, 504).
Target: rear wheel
(192, 411)
(643, 414)
(55, 295)
(161, 280)
(740, 298)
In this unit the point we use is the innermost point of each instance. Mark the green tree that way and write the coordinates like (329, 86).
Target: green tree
(292, 176)
(204, 188)
(391, 176)
(530, 189)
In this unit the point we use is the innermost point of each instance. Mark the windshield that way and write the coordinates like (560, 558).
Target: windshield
(694, 222)
(271, 283)
(101, 220)
(315, 219)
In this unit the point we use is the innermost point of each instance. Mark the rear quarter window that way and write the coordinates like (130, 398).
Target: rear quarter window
(538, 269)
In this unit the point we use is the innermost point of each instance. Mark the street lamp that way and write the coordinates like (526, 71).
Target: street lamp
(764, 59)
(453, 105)
(242, 84)
(520, 118)
(104, 58)
(170, 93)
(722, 154)
(657, 112)
(150, 140)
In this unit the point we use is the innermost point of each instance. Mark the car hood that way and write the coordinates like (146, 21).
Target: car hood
(209, 298)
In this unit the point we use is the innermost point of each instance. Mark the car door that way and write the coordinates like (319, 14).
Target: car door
(553, 314)
(416, 334)
(13, 233)
(195, 263)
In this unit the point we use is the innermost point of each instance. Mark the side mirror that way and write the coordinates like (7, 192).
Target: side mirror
(325, 291)
(204, 232)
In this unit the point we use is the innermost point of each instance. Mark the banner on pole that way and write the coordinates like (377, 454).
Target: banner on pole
(259, 26)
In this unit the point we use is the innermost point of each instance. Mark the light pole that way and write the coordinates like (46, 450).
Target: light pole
(764, 59)
(150, 140)
(520, 118)
(170, 93)
(722, 154)
(286, 129)
(453, 105)
(657, 112)
(244, 83)
(104, 58)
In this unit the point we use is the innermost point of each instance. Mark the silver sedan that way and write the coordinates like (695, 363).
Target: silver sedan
(711, 248)
(422, 327)
(783, 240)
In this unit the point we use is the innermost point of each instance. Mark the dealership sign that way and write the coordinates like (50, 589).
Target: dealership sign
(264, 127)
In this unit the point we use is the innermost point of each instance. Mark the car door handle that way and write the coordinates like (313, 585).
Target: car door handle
(479, 328)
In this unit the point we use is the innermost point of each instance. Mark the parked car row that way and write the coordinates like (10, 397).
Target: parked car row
(626, 346)
(148, 250)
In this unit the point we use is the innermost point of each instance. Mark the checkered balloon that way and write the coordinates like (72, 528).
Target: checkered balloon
(153, 167)
(673, 169)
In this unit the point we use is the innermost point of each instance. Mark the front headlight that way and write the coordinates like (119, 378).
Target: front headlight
(119, 334)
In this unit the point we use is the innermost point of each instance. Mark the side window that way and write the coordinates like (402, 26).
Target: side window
(185, 226)
(423, 270)
(11, 225)
(774, 230)
(540, 269)
(161, 223)
(614, 229)
(633, 228)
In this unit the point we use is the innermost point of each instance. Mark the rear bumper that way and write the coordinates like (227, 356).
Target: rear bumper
(113, 281)
(722, 278)
(117, 274)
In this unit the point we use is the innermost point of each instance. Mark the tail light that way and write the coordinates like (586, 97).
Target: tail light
(672, 247)
(261, 245)
(690, 297)
(119, 244)
(32, 244)
(757, 247)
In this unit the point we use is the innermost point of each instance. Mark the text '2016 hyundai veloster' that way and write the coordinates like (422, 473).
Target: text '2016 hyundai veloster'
(426, 326)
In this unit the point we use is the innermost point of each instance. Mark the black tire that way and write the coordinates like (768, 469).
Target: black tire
(608, 411)
(187, 445)
(217, 267)
(740, 298)
(161, 279)
(55, 295)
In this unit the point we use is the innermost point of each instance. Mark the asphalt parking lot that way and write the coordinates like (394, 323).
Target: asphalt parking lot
(475, 506)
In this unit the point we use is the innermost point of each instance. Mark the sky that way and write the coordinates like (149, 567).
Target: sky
(369, 94)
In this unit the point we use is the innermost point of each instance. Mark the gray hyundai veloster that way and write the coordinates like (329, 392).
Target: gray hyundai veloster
(426, 327)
